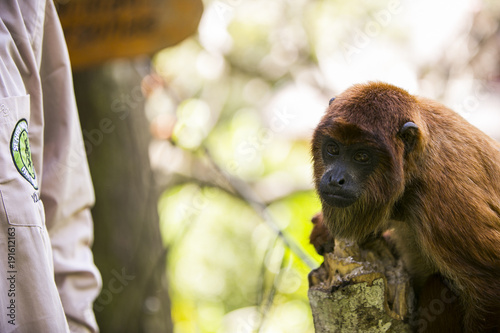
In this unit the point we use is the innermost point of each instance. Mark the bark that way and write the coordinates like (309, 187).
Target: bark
(360, 290)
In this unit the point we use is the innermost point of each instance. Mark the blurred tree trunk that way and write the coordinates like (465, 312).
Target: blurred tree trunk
(128, 248)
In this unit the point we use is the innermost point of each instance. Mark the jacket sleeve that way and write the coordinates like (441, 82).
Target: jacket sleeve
(66, 188)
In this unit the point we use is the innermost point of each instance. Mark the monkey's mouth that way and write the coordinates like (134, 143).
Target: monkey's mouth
(338, 200)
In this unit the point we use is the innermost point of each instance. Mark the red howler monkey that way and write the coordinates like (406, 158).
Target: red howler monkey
(386, 159)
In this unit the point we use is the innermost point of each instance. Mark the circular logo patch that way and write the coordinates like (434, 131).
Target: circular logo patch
(21, 152)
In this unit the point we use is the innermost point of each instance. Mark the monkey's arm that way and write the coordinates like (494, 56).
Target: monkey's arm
(320, 237)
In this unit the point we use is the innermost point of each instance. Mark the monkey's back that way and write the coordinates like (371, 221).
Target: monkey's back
(459, 173)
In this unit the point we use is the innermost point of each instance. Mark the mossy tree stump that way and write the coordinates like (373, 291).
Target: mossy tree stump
(361, 290)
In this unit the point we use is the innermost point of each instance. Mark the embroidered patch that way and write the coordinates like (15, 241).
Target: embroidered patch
(21, 152)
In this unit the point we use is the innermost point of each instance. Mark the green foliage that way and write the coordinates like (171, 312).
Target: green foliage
(229, 269)
(223, 258)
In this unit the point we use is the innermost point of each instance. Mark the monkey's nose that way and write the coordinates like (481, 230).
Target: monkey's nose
(336, 181)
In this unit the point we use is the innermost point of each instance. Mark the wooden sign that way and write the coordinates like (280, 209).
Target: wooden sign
(99, 30)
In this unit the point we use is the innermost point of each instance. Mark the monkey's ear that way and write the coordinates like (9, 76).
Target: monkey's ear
(331, 100)
(409, 134)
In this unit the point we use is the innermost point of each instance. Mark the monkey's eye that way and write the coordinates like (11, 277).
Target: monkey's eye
(332, 148)
(362, 157)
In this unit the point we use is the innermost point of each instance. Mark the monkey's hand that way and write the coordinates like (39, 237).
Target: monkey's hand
(320, 237)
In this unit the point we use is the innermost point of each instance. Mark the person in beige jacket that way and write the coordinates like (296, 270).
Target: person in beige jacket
(48, 278)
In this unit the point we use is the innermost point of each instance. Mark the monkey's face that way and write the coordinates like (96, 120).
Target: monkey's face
(352, 179)
(347, 168)
(361, 150)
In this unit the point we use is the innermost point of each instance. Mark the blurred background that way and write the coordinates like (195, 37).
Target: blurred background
(197, 117)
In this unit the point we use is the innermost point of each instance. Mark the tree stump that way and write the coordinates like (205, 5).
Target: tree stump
(360, 290)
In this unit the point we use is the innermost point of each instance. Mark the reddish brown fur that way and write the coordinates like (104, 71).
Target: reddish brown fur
(320, 238)
(442, 198)
(439, 308)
